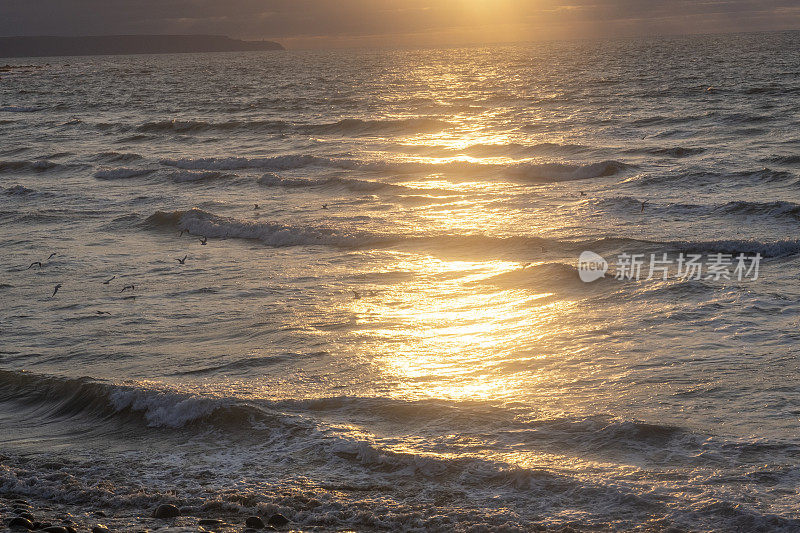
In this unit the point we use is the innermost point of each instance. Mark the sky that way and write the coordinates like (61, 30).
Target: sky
(347, 23)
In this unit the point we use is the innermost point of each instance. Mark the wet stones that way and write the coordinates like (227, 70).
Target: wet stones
(166, 511)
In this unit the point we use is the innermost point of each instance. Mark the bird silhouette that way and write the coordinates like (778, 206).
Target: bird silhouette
(51, 256)
(34, 264)
(55, 290)
(126, 287)
(109, 280)
(204, 240)
(182, 261)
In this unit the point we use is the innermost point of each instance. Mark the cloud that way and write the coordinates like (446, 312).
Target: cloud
(353, 22)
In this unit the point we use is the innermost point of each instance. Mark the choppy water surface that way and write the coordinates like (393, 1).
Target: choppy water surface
(397, 337)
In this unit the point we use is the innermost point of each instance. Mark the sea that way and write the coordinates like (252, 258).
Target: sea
(346, 285)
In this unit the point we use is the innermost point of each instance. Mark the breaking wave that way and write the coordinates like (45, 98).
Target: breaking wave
(276, 234)
(121, 173)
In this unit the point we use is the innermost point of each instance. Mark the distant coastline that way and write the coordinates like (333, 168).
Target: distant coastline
(46, 46)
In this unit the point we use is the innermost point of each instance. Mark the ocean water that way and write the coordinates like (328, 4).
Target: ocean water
(397, 337)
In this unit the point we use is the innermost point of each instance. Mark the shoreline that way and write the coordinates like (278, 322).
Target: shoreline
(21, 513)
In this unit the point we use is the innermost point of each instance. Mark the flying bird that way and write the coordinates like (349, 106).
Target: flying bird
(56, 290)
(109, 280)
(256, 207)
(51, 256)
(356, 295)
(324, 206)
(182, 261)
(204, 240)
(643, 205)
(126, 287)
(33, 264)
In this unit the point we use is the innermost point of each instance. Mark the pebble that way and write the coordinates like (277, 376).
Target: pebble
(55, 529)
(254, 522)
(99, 528)
(278, 520)
(166, 510)
(210, 522)
(100, 514)
(19, 522)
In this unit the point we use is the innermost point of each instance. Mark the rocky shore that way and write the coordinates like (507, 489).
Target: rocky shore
(24, 514)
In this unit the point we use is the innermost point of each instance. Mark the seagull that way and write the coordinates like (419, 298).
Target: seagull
(35, 263)
(256, 207)
(56, 290)
(51, 256)
(356, 295)
(182, 261)
(204, 240)
(644, 204)
(102, 312)
(583, 193)
(324, 206)
(109, 280)
(126, 287)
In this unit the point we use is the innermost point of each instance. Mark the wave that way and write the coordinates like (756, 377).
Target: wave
(121, 173)
(281, 162)
(675, 151)
(19, 109)
(276, 234)
(199, 126)
(117, 157)
(377, 127)
(764, 175)
(523, 150)
(554, 172)
(515, 150)
(768, 210)
(351, 184)
(541, 275)
(190, 176)
(34, 166)
(350, 126)
(531, 172)
(157, 406)
(784, 159)
(18, 190)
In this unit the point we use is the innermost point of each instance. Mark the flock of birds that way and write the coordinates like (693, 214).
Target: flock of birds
(203, 241)
(40, 264)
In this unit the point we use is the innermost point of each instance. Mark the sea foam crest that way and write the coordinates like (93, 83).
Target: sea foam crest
(199, 222)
